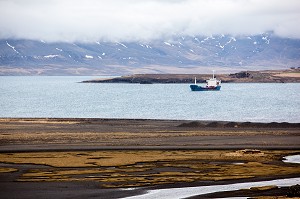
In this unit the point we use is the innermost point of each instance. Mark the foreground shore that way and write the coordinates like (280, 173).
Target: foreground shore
(43, 134)
(85, 158)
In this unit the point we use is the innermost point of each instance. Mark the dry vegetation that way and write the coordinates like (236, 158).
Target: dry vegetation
(143, 152)
(151, 167)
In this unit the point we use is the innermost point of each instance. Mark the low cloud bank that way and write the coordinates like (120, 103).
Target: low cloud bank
(136, 20)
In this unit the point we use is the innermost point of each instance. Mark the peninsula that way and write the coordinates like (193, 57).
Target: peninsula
(266, 76)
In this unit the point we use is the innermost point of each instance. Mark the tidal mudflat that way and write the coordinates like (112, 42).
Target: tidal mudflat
(120, 158)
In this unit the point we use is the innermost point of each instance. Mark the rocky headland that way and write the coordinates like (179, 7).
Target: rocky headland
(268, 76)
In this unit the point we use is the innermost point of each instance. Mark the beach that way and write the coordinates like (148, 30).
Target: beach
(116, 158)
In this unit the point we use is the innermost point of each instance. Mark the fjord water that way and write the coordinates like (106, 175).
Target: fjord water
(64, 97)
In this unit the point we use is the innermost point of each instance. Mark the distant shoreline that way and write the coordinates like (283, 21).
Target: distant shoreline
(267, 76)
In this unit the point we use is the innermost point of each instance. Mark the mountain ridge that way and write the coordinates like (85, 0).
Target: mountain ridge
(175, 55)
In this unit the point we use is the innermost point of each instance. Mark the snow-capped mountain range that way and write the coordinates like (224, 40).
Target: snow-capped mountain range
(177, 55)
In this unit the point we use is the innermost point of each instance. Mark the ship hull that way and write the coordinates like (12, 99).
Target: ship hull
(201, 88)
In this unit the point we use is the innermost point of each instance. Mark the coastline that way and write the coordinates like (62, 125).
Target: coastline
(69, 157)
(267, 76)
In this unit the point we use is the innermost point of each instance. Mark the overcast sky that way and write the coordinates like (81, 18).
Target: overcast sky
(132, 20)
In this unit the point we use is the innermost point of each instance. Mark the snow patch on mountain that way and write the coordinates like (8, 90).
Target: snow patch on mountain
(51, 56)
(196, 39)
(221, 46)
(145, 46)
(127, 58)
(266, 39)
(178, 52)
(167, 43)
(89, 56)
(122, 45)
(12, 47)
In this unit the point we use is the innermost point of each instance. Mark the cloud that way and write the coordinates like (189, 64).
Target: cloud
(132, 20)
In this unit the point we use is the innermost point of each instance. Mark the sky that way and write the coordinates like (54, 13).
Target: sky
(144, 20)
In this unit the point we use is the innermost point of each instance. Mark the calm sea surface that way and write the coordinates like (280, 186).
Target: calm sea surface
(65, 97)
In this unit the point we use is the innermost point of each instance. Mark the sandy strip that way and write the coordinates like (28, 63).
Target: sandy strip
(30, 134)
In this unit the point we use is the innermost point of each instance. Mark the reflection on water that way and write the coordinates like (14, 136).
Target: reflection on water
(292, 159)
(186, 192)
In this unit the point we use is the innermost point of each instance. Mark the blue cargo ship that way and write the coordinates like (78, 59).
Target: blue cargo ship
(211, 85)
